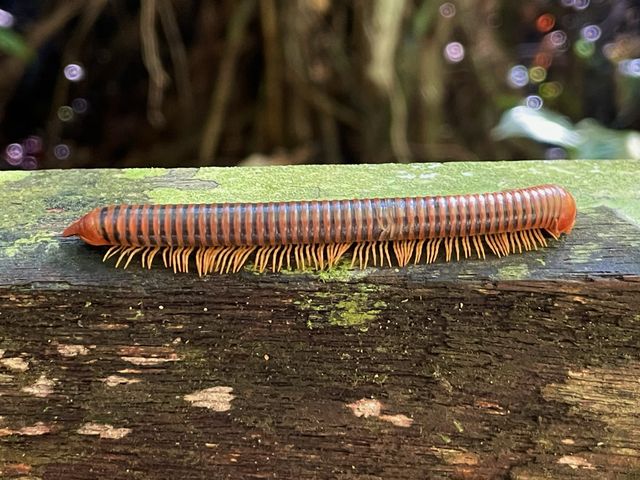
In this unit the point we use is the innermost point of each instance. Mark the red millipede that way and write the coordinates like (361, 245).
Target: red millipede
(318, 233)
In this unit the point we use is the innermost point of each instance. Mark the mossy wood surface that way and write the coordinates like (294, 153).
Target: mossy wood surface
(524, 367)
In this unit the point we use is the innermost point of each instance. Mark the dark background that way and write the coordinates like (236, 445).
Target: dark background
(119, 83)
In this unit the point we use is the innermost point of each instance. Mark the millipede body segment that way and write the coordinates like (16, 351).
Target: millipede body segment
(316, 234)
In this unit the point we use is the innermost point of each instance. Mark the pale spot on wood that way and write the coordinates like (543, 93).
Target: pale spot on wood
(103, 431)
(1, 353)
(72, 350)
(16, 364)
(112, 326)
(575, 462)
(38, 428)
(151, 361)
(148, 355)
(217, 399)
(457, 457)
(492, 408)
(567, 441)
(15, 469)
(366, 407)
(43, 387)
(398, 420)
(114, 380)
(370, 407)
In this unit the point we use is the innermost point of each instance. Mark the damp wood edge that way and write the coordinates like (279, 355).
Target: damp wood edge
(523, 367)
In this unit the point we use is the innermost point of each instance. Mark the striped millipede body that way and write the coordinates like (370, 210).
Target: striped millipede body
(316, 234)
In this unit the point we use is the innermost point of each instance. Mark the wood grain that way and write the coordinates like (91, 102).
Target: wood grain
(516, 368)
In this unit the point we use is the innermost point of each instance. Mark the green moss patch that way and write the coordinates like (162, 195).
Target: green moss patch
(356, 310)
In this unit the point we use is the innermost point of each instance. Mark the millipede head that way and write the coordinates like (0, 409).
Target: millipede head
(86, 228)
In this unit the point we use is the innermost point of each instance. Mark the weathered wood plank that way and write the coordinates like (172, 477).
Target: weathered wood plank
(522, 368)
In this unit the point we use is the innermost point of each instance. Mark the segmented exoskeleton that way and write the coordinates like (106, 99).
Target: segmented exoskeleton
(318, 233)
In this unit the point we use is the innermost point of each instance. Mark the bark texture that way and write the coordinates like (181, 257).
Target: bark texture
(518, 368)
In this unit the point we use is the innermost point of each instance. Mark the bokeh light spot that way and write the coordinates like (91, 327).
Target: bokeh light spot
(537, 74)
(558, 39)
(62, 151)
(583, 48)
(545, 22)
(591, 33)
(518, 76)
(29, 163)
(550, 90)
(534, 102)
(6, 19)
(65, 113)
(581, 4)
(556, 153)
(454, 52)
(630, 68)
(447, 10)
(543, 60)
(13, 154)
(74, 72)
(79, 105)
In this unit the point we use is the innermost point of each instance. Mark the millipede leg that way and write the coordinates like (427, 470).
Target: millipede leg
(132, 254)
(185, 258)
(386, 254)
(175, 259)
(436, 249)
(538, 233)
(199, 256)
(477, 242)
(364, 252)
(111, 252)
(418, 251)
(321, 260)
(397, 250)
(504, 241)
(448, 246)
(429, 249)
(371, 250)
(516, 237)
(309, 257)
(151, 256)
(303, 265)
(354, 256)
(164, 256)
(283, 251)
(555, 237)
(241, 260)
(494, 248)
(533, 240)
(207, 253)
(288, 255)
(123, 253)
(224, 258)
(143, 256)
